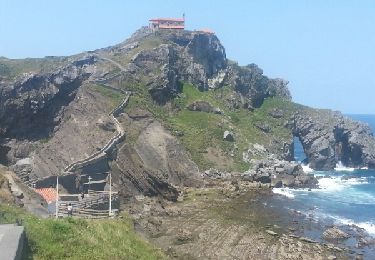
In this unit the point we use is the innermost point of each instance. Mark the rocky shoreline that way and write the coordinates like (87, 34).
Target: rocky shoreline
(227, 220)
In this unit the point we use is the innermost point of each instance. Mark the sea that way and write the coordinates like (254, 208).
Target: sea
(346, 197)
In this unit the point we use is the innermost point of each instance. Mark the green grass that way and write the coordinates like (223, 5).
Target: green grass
(147, 43)
(71, 238)
(201, 130)
(115, 96)
(12, 68)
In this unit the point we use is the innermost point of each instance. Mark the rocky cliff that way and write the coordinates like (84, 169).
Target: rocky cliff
(187, 98)
(328, 138)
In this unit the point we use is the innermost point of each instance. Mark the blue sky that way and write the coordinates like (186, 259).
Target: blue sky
(326, 49)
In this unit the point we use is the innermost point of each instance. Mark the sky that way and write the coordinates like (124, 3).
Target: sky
(324, 48)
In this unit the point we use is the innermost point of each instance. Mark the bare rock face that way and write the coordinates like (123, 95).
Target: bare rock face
(161, 152)
(254, 86)
(156, 164)
(29, 106)
(329, 137)
(200, 59)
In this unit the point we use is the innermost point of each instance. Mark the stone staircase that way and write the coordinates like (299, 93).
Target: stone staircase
(94, 205)
(109, 145)
(87, 207)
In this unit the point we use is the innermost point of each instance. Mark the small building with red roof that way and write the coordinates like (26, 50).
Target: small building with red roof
(48, 194)
(167, 23)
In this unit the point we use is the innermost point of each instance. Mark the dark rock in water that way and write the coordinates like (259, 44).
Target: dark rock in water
(277, 183)
(335, 233)
(282, 173)
(263, 178)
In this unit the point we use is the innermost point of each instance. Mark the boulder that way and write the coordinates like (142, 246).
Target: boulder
(263, 127)
(276, 113)
(228, 136)
(201, 106)
(335, 233)
(281, 173)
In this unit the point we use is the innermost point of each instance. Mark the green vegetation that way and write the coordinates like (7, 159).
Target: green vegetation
(11, 68)
(147, 43)
(115, 96)
(202, 132)
(71, 238)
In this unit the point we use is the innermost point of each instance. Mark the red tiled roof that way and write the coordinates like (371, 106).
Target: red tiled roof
(171, 27)
(49, 194)
(167, 20)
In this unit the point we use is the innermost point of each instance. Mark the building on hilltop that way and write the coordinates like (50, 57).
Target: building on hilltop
(167, 23)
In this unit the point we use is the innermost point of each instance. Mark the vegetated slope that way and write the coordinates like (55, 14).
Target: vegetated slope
(79, 239)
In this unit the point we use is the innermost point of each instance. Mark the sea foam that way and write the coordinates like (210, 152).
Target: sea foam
(368, 226)
(306, 168)
(284, 192)
(340, 167)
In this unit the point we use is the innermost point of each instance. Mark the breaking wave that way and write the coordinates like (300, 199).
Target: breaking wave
(340, 167)
(284, 192)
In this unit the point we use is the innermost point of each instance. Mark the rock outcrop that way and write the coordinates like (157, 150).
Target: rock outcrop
(254, 86)
(328, 138)
(29, 107)
(335, 233)
(280, 173)
(200, 59)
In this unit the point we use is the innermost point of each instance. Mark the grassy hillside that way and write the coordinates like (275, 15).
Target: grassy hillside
(70, 238)
(12, 68)
(202, 133)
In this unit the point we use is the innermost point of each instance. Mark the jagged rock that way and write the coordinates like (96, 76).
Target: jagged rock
(218, 111)
(33, 100)
(329, 137)
(281, 173)
(276, 113)
(335, 233)
(228, 136)
(263, 126)
(216, 174)
(254, 86)
(202, 106)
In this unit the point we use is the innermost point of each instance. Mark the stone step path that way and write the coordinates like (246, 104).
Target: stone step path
(102, 153)
(82, 208)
